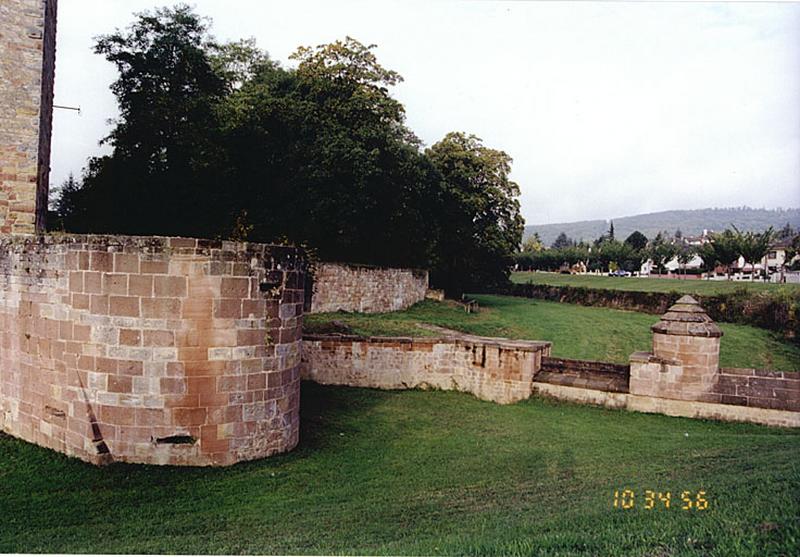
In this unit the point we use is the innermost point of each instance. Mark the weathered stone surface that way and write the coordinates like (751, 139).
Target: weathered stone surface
(27, 69)
(499, 370)
(366, 289)
(603, 376)
(669, 407)
(685, 358)
(135, 349)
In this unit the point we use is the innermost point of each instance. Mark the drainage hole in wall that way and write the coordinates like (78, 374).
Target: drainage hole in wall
(176, 440)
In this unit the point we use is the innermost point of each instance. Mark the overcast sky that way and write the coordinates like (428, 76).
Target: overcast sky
(608, 109)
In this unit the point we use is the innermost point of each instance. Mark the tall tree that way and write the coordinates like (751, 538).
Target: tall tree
(661, 251)
(685, 254)
(532, 243)
(637, 240)
(165, 142)
(753, 246)
(726, 249)
(481, 223)
(562, 241)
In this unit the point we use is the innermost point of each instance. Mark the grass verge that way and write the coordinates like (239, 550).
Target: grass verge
(434, 473)
(579, 332)
(642, 284)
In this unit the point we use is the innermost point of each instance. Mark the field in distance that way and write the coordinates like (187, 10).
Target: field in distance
(645, 284)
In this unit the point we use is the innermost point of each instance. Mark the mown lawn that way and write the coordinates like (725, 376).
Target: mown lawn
(590, 333)
(428, 473)
(643, 284)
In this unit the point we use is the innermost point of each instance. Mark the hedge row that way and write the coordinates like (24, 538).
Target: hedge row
(776, 310)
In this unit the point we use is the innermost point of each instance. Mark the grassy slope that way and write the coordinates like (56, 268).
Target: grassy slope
(576, 332)
(427, 473)
(635, 284)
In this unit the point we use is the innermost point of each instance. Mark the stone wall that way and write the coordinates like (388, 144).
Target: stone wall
(149, 349)
(757, 388)
(603, 376)
(670, 407)
(493, 369)
(27, 68)
(366, 289)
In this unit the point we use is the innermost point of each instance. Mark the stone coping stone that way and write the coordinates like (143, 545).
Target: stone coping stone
(370, 267)
(154, 245)
(650, 358)
(687, 318)
(503, 343)
(593, 366)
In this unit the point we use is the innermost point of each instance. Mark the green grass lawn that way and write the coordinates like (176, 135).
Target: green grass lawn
(590, 333)
(428, 473)
(637, 284)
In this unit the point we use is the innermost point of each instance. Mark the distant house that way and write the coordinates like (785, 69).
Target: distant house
(776, 257)
(704, 238)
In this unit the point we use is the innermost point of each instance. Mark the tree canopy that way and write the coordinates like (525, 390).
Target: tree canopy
(218, 140)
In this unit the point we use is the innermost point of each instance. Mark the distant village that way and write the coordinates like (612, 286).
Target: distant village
(770, 256)
(778, 262)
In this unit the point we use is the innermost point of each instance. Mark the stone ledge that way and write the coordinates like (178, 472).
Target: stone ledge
(669, 407)
(650, 358)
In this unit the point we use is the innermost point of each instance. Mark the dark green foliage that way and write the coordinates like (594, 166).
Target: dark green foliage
(753, 246)
(481, 210)
(636, 240)
(562, 241)
(216, 140)
(660, 251)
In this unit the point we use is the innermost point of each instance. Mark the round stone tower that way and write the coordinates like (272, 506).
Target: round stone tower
(685, 359)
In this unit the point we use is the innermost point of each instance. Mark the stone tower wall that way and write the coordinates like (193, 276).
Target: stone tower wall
(153, 350)
(27, 70)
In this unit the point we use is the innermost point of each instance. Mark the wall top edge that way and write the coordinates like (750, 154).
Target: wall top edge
(119, 240)
(374, 267)
(506, 344)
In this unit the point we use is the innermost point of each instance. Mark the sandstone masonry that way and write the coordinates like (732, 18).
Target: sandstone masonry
(366, 289)
(150, 349)
(27, 69)
(495, 369)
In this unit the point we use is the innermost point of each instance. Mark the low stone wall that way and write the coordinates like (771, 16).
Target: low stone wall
(670, 407)
(757, 388)
(365, 289)
(492, 369)
(149, 349)
(587, 374)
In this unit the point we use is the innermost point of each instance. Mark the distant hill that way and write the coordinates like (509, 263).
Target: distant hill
(689, 222)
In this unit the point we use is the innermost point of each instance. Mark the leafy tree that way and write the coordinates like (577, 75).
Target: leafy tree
(637, 240)
(532, 243)
(661, 251)
(327, 144)
(611, 231)
(786, 233)
(708, 254)
(791, 251)
(481, 223)
(165, 142)
(726, 249)
(563, 241)
(753, 246)
(685, 254)
(217, 140)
